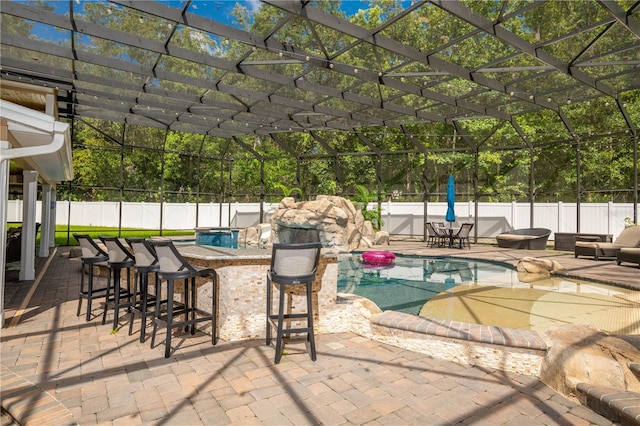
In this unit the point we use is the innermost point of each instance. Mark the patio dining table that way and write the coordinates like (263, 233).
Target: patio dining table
(451, 231)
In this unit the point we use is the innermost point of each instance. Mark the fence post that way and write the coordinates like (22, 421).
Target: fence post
(388, 218)
(560, 215)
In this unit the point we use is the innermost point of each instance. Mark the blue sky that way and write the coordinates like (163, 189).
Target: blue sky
(218, 10)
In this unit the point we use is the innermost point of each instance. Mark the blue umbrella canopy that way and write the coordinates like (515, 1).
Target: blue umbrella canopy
(451, 199)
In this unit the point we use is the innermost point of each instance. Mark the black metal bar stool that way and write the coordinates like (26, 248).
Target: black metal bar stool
(119, 258)
(175, 267)
(92, 255)
(146, 264)
(292, 265)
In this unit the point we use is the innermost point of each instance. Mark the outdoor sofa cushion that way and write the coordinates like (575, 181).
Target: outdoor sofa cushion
(629, 237)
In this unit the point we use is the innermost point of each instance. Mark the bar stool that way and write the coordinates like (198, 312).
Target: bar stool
(175, 267)
(119, 259)
(92, 255)
(146, 263)
(292, 265)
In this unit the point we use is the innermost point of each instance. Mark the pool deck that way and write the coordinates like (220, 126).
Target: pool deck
(58, 369)
(608, 271)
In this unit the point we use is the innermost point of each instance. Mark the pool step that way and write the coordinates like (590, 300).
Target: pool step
(622, 407)
(502, 336)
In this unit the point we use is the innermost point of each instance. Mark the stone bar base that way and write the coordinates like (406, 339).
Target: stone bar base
(242, 291)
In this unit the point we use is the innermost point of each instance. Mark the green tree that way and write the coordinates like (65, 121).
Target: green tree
(363, 197)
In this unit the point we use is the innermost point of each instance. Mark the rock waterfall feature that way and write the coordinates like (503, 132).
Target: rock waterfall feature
(334, 221)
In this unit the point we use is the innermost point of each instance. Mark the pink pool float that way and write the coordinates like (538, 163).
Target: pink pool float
(377, 258)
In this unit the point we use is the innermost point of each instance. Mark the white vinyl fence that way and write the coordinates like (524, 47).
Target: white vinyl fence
(399, 218)
(494, 218)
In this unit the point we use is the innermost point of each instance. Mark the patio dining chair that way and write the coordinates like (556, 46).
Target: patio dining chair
(434, 237)
(292, 266)
(173, 266)
(462, 235)
(119, 258)
(92, 256)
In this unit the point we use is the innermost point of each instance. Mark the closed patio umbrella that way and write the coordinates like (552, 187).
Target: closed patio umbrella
(451, 199)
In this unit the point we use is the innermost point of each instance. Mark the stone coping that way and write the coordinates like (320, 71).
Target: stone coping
(622, 407)
(606, 281)
(221, 253)
(502, 336)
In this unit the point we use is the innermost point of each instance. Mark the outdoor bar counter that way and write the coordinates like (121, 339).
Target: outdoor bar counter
(242, 289)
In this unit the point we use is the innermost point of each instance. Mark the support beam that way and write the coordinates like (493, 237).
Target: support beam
(28, 251)
(636, 189)
(45, 221)
(52, 219)
(531, 188)
(4, 192)
(425, 195)
(577, 139)
(578, 184)
(261, 192)
(624, 18)
(476, 191)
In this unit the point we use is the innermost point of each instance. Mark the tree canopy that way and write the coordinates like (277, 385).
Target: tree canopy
(392, 98)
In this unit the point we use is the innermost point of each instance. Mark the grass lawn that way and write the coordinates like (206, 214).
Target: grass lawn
(95, 231)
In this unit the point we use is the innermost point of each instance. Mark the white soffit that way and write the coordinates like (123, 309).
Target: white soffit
(30, 134)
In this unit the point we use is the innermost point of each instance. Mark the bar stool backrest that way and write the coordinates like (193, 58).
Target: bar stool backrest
(294, 262)
(169, 259)
(143, 252)
(117, 252)
(89, 247)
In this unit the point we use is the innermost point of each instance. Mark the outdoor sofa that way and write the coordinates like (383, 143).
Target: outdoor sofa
(527, 238)
(628, 238)
(629, 255)
(14, 245)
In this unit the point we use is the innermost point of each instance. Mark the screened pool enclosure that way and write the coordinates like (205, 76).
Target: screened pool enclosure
(222, 101)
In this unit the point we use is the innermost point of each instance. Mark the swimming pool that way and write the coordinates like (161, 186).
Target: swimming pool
(488, 293)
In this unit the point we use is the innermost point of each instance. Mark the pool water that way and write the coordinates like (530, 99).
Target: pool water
(487, 293)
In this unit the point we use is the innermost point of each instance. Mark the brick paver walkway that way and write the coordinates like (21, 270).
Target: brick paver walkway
(58, 361)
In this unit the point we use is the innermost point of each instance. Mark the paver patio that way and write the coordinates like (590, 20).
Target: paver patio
(59, 369)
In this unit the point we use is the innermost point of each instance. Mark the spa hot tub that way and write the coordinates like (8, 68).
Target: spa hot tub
(217, 237)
